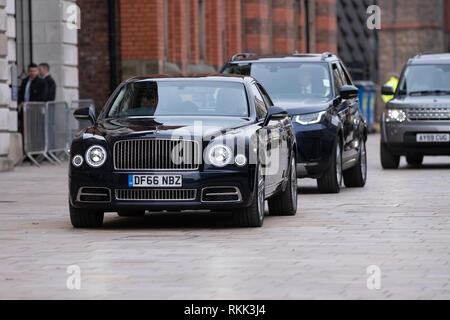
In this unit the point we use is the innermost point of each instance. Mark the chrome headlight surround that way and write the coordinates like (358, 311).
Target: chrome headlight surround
(77, 160)
(220, 155)
(395, 115)
(310, 118)
(95, 156)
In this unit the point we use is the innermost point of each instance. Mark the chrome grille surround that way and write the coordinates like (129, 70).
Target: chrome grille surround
(155, 154)
(156, 194)
(417, 113)
(221, 194)
(94, 194)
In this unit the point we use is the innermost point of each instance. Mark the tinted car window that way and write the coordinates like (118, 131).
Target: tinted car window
(165, 98)
(418, 78)
(288, 80)
(260, 106)
(265, 96)
(337, 77)
(345, 76)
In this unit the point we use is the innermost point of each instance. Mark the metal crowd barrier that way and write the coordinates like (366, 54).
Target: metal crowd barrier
(49, 127)
(57, 129)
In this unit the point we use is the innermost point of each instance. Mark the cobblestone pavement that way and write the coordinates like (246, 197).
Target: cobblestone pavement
(398, 222)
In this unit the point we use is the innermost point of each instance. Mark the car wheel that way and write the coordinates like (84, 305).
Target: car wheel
(388, 159)
(131, 213)
(414, 159)
(331, 180)
(82, 218)
(285, 203)
(356, 177)
(253, 216)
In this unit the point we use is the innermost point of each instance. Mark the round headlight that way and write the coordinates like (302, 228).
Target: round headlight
(220, 155)
(96, 156)
(240, 160)
(77, 160)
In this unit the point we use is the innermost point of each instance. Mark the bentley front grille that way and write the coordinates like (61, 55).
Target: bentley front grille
(156, 154)
(156, 194)
(421, 113)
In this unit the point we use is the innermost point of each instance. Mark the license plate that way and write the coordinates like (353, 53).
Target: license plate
(433, 137)
(154, 180)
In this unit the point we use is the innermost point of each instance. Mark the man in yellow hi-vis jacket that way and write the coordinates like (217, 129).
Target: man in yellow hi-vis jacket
(393, 82)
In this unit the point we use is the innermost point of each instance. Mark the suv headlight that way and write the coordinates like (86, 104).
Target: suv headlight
(96, 156)
(395, 115)
(310, 118)
(220, 155)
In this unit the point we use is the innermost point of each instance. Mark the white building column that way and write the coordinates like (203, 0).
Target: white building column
(55, 43)
(10, 140)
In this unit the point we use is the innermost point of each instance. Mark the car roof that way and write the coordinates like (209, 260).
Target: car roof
(303, 57)
(202, 76)
(431, 58)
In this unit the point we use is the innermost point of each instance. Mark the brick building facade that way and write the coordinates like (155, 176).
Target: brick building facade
(193, 36)
(408, 28)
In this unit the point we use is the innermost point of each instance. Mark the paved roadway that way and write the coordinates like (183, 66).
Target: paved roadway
(398, 222)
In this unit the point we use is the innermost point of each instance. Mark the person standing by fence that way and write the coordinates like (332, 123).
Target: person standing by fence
(32, 88)
(44, 73)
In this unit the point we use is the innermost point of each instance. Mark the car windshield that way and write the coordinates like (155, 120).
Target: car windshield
(174, 98)
(425, 79)
(288, 80)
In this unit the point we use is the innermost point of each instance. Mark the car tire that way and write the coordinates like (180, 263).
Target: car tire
(331, 180)
(82, 218)
(414, 159)
(356, 176)
(285, 203)
(388, 159)
(253, 216)
(131, 213)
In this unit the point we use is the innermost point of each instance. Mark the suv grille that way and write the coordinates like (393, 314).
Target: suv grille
(156, 154)
(156, 194)
(421, 113)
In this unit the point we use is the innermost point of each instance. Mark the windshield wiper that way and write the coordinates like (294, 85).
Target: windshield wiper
(428, 92)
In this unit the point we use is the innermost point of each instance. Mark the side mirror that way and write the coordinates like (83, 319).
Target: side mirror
(387, 90)
(274, 113)
(349, 92)
(87, 113)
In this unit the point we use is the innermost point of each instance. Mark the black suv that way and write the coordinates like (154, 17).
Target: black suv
(320, 97)
(417, 121)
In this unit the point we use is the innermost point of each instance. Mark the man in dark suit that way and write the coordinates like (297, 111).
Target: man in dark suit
(32, 88)
(44, 73)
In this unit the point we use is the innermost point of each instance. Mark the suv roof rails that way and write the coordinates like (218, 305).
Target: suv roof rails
(304, 54)
(327, 55)
(243, 55)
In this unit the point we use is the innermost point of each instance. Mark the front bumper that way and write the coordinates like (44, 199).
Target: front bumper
(400, 138)
(243, 180)
(314, 148)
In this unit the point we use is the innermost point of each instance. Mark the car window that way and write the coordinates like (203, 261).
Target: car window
(287, 81)
(261, 108)
(337, 77)
(425, 79)
(346, 77)
(173, 98)
(265, 96)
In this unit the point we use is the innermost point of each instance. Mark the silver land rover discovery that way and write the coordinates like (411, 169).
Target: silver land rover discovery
(417, 121)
